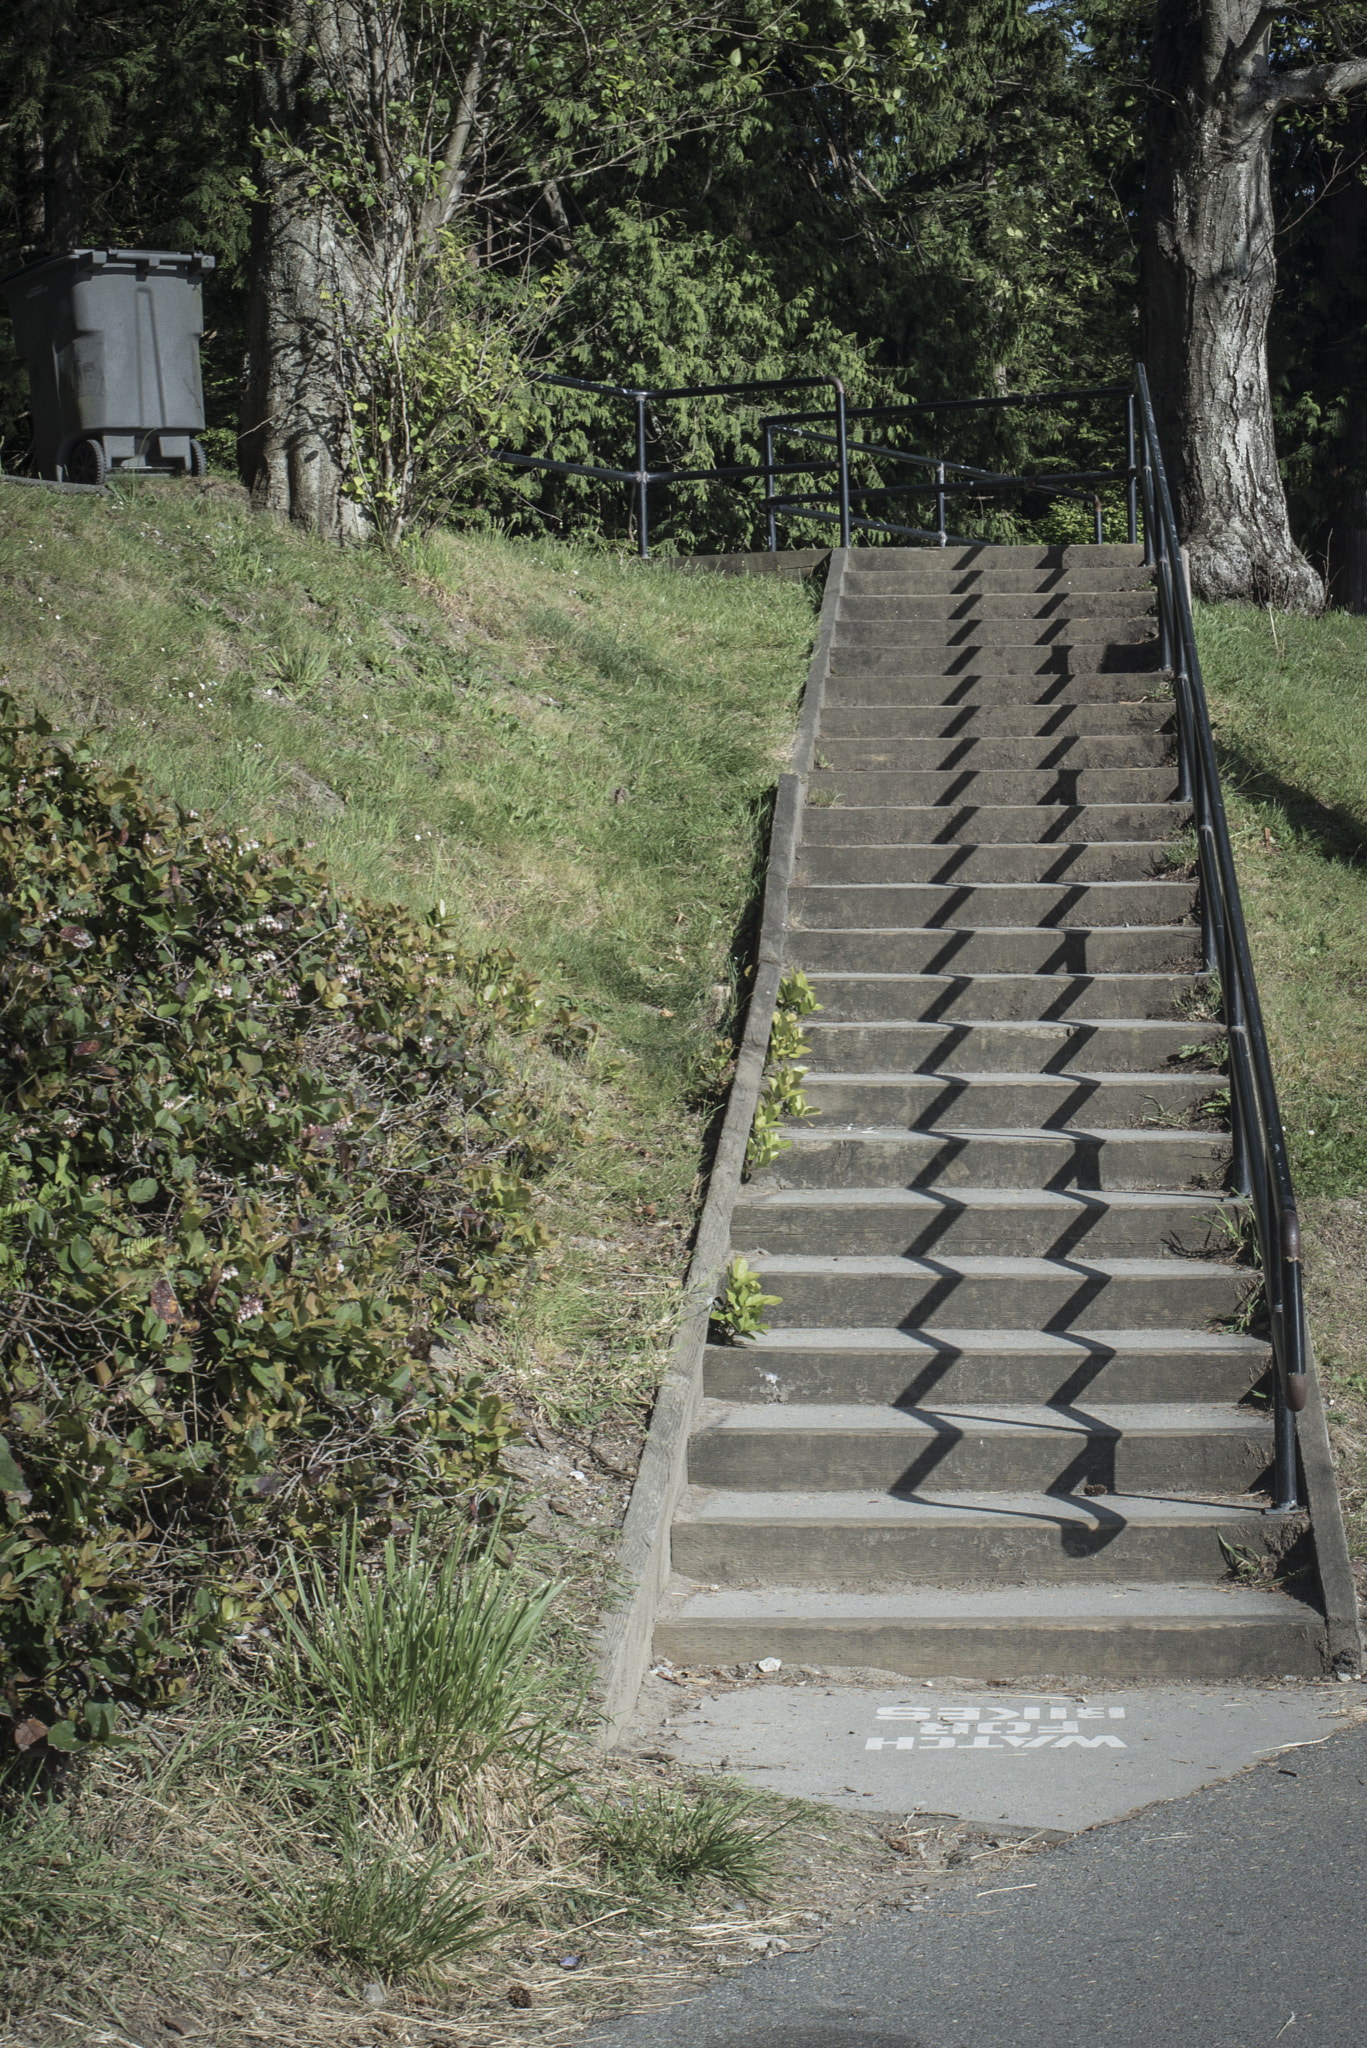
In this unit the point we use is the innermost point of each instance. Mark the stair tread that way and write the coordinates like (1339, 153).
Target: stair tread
(935, 1339)
(989, 1265)
(1060, 1134)
(1120, 1606)
(1108, 1419)
(965, 1077)
(758, 1197)
(926, 1510)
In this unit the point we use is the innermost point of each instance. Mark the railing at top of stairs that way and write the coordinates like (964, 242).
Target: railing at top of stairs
(1260, 1169)
(827, 456)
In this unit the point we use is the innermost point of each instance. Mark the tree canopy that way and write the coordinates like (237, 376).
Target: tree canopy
(414, 203)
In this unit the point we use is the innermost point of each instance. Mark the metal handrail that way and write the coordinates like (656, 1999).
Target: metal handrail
(642, 477)
(830, 429)
(1260, 1170)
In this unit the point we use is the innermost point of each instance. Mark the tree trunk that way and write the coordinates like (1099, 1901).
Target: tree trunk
(1209, 274)
(321, 258)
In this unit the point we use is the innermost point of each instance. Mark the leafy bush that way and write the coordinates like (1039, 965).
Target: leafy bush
(263, 1149)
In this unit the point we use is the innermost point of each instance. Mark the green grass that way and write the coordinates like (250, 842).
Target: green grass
(1290, 714)
(661, 1841)
(574, 750)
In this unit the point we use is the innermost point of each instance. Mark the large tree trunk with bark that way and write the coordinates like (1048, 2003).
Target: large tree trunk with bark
(322, 258)
(1209, 274)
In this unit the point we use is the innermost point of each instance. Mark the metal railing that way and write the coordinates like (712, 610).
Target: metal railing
(945, 478)
(824, 450)
(1260, 1171)
(643, 476)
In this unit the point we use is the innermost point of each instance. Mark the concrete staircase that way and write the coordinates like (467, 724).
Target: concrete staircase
(1002, 1416)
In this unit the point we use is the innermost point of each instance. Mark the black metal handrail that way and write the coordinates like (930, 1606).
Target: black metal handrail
(642, 477)
(1260, 1171)
(832, 500)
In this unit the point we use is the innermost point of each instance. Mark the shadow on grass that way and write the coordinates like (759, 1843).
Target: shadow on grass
(1332, 831)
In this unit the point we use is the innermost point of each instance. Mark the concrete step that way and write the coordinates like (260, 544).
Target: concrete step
(944, 1363)
(896, 906)
(1140, 949)
(854, 1539)
(960, 689)
(991, 721)
(961, 787)
(1100, 1160)
(1038, 1223)
(916, 579)
(947, 608)
(983, 557)
(1133, 1448)
(1002, 1293)
(1012, 1101)
(883, 630)
(1124, 860)
(1011, 1632)
(961, 999)
(970, 823)
(985, 659)
(1129, 1045)
(959, 751)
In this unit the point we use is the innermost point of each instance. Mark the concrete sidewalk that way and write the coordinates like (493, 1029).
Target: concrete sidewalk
(1229, 1918)
(1056, 1760)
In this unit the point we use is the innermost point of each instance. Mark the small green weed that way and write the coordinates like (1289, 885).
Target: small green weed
(766, 1139)
(674, 1841)
(740, 1305)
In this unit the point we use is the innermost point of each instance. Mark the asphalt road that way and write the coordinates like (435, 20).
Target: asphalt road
(1233, 1918)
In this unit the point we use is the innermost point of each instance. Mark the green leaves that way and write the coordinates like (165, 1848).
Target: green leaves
(741, 1301)
(259, 1157)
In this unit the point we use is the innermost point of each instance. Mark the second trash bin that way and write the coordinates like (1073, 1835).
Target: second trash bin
(110, 338)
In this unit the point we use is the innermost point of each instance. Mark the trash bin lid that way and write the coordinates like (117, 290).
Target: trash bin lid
(194, 262)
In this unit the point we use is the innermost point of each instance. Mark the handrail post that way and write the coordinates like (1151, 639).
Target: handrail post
(842, 456)
(1131, 486)
(1284, 1497)
(769, 488)
(941, 526)
(642, 481)
(1096, 511)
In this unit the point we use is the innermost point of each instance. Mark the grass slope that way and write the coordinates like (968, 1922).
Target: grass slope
(573, 750)
(1289, 702)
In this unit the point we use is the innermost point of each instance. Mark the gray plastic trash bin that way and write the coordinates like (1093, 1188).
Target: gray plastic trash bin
(111, 341)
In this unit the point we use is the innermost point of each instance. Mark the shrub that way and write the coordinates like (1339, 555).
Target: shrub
(263, 1151)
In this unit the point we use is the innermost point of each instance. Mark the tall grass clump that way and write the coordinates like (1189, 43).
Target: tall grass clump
(415, 1681)
(657, 1842)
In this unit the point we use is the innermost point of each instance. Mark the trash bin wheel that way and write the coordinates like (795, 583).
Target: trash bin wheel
(86, 463)
(199, 461)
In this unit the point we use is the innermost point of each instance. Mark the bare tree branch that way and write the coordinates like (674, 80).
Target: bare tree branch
(445, 195)
(1313, 87)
